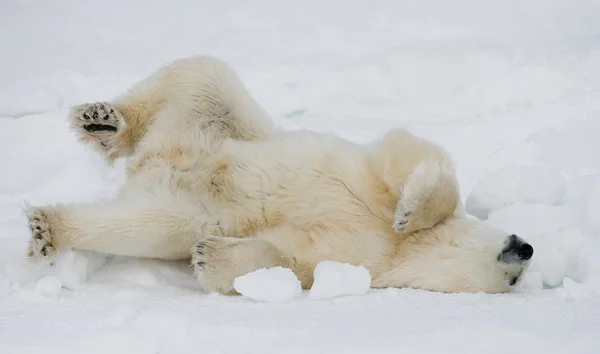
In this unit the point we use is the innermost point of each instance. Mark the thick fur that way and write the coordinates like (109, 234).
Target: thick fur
(211, 178)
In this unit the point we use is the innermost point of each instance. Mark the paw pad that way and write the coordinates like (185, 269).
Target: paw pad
(40, 245)
(97, 122)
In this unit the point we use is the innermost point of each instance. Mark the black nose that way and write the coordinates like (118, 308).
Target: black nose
(525, 252)
(516, 249)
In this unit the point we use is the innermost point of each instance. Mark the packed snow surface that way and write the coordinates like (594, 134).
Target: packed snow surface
(276, 284)
(511, 89)
(334, 279)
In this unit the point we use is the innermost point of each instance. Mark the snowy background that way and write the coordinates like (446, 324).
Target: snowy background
(510, 88)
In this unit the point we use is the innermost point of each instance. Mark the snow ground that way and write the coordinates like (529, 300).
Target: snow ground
(500, 84)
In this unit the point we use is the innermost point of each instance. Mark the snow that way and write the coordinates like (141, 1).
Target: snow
(502, 85)
(73, 267)
(512, 184)
(48, 286)
(276, 284)
(333, 279)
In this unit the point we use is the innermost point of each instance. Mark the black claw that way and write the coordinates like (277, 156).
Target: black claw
(407, 213)
(44, 251)
(201, 264)
(402, 222)
(86, 116)
(106, 117)
(38, 228)
(38, 236)
(99, 127)
(112, 110)
(95, 115)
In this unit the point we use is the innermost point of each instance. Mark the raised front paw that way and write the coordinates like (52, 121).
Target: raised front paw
(403, 219)
(41, 246)
(97, 122)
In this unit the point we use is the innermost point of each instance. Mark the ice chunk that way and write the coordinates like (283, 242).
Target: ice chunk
(513, 184)
(48, 286)
(338, 279)
(276, 284)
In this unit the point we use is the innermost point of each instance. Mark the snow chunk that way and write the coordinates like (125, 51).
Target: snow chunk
(276, 284)
(48, 286)
(572, 290)
(513, 184)
(338, 279)
(532, 281)
(73, 267)
(588, 265)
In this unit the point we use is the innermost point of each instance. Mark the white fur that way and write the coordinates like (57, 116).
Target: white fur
(211, 173)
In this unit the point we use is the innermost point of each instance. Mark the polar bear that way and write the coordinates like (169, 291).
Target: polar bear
(212, 179)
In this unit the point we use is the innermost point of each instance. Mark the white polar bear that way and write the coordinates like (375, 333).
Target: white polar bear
(211, 178)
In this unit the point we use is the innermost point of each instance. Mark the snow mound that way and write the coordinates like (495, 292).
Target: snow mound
(574, 291)
(532, 281)
(334, 279)
(74, 266)
(513, 184)
(276, 284)
(48, 286)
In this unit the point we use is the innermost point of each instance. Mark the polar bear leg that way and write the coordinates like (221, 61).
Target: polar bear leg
(429, 195)
(423, 176)
(207, 94)
(162, 227)
(217, 261)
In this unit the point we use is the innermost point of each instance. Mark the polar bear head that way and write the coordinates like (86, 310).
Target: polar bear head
(463, 254)
(439, 247)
